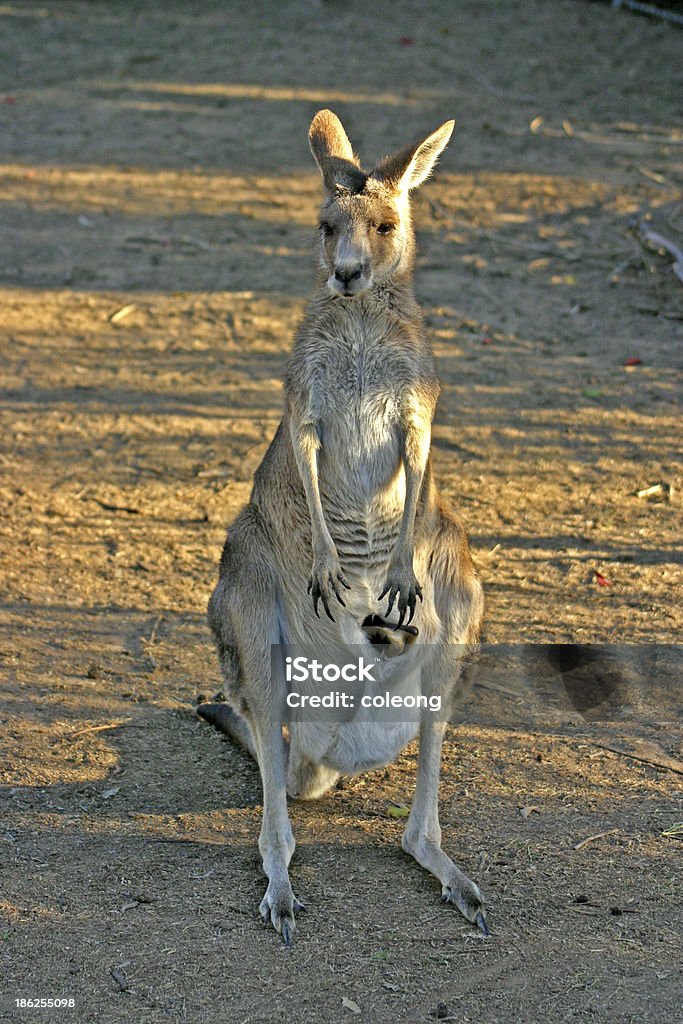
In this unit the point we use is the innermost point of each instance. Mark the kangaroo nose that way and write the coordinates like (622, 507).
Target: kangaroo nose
(347, 274)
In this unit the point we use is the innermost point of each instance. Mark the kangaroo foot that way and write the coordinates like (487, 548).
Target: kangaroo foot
(279, 907)
(465, 895)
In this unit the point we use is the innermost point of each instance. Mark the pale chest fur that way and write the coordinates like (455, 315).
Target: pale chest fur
(358, 388)
(358, 385)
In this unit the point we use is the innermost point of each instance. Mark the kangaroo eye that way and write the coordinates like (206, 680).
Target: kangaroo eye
(326, 228)
(385, 228)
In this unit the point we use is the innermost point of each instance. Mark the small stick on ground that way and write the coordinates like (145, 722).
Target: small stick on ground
(499, 689)
(591, 839)
(502, 94)
(120, 978)
(154, 630)
(95, 728)
(117, 508)
(657, 759)
(150, 643)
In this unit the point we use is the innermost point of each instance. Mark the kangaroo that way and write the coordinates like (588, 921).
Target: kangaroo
(343, 514)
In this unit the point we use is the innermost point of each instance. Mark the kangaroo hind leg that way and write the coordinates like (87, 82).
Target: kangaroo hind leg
(459, 606)
(305, 779)
(228, 721)
(243, 615)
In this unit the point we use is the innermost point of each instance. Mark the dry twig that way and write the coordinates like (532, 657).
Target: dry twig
(649, 754)
(502, 94)
(95, 728)
(591, 839)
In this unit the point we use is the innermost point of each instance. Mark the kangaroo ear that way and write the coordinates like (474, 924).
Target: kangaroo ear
(333, 153)
(410, 166)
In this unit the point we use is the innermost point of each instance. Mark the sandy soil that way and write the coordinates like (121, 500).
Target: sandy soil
(157, 203)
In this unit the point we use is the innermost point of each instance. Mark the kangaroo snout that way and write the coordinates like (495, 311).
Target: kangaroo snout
(349, 278)
(347, 274)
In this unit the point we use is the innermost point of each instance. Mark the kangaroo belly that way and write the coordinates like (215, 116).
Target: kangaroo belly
(362, 746)
(365, 535)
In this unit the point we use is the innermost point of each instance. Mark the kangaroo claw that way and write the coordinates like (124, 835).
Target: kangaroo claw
(327, 608)
(325, 581)
(333, 584)
(404, 590)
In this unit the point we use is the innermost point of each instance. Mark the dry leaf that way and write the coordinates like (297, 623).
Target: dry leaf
(350, 1005)
(120, 314)
(526, 811)
(660, 490)
(398, 811)
(215, 474)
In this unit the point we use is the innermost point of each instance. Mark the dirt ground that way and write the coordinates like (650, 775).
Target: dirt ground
(157, 206)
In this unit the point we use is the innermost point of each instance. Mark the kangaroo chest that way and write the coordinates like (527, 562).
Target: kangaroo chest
(358, 409)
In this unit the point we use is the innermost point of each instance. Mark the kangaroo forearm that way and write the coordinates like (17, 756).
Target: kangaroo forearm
(306, 442)
(415, 455)
(404, 542)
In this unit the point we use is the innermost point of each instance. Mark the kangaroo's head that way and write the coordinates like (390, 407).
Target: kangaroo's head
(366, 235)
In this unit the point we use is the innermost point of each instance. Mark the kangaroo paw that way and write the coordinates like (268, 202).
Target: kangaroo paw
(465, 895)
(279, 907)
